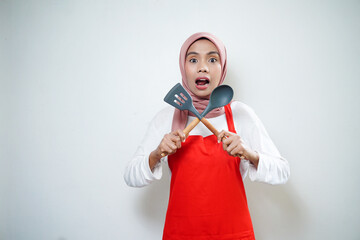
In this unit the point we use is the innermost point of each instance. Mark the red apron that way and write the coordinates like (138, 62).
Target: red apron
(207, 196)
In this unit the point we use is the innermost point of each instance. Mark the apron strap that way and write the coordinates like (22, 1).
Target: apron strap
(229, 118)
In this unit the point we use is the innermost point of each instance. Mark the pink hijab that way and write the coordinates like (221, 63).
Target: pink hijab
(180, 117)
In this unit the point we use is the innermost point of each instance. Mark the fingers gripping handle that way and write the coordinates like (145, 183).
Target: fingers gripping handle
(187, 130)
(193, 124)
(216, 132)
(237, 155)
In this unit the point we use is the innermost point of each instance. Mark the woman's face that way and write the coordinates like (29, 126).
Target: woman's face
(202, 67)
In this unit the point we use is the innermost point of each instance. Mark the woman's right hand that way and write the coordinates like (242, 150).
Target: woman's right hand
(170, 143)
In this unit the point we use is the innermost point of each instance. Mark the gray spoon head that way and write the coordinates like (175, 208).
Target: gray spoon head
(220, 96)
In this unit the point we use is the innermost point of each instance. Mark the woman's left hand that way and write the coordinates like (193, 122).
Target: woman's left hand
(235, 146)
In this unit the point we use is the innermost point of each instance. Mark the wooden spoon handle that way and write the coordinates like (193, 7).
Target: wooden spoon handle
(210, 126)
(216, 132)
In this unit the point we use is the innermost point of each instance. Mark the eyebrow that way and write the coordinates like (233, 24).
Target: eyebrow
(209, 53)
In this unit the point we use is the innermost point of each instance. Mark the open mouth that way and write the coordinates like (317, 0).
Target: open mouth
(202, 82)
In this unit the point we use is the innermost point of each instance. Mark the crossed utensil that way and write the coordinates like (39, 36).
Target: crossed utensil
(179, 98)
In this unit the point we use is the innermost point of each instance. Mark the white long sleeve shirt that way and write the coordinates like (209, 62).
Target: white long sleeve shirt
(272, 167)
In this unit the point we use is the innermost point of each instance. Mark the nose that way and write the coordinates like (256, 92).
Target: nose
(203, 68)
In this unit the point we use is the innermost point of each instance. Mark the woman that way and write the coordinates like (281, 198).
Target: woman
(207, 197)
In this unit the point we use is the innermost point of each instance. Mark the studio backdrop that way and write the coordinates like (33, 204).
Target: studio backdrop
(81, 80)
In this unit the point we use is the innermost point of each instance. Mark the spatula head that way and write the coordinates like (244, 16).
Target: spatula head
(181, 99)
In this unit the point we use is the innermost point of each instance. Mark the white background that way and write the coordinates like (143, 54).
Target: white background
(80, 81)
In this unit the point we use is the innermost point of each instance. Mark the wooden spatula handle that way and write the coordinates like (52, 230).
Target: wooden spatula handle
(187, 130)
(190, 127)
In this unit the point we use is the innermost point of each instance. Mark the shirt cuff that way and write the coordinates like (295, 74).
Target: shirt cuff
(259, 173)
(150, 176)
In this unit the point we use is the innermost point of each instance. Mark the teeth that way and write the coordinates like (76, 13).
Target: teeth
(202, 81)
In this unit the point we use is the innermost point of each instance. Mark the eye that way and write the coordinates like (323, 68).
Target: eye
(193, 60)
(212, 60)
